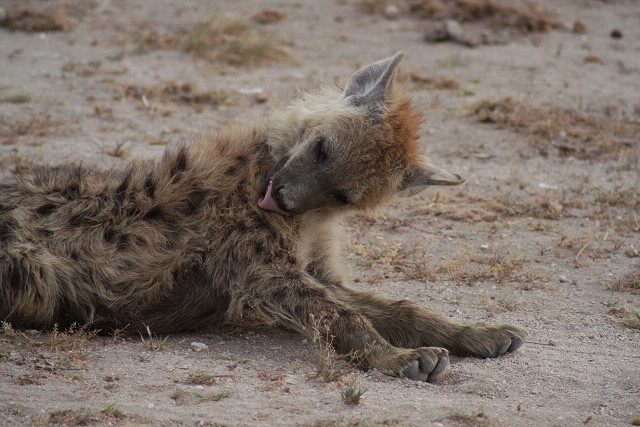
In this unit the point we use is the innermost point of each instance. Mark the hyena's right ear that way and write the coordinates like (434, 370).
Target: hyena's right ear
(419, 177)
(372, 84)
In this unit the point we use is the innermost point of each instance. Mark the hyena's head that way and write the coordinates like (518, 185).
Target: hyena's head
(354, 148)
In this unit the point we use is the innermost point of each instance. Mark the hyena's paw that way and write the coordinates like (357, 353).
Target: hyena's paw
(491, 341)
(421, 364)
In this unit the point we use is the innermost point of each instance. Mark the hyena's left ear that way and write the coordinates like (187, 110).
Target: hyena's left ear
(372, 84)
(418, 178)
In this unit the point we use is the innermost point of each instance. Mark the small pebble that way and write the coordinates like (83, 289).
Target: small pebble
(199, 346)
(454, 30)
(562, 278)
(616, 33)
(391, 12)
(579, 27)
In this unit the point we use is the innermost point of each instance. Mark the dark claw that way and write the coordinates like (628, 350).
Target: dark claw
(516, 343)
(440, 366)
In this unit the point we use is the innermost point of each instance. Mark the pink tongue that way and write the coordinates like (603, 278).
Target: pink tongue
(267, 203)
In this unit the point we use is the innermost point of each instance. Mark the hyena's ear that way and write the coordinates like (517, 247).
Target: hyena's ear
(419, 177)
(372, 84)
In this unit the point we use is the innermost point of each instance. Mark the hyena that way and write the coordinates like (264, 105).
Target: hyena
(237, 223)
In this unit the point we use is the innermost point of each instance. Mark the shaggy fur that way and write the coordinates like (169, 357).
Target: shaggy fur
(240, 222)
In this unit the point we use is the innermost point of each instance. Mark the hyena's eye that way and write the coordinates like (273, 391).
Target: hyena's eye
(319, 151)
(340, 197)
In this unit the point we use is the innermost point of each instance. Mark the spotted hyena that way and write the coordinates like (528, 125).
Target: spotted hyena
(241, 222)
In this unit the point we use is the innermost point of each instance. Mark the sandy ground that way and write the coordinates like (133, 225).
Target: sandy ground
(538, 237)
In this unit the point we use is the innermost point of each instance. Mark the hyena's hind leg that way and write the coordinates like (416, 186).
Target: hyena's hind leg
(404, 324)
(295, 300)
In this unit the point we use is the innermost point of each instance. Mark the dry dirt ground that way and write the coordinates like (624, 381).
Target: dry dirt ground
(545, 234)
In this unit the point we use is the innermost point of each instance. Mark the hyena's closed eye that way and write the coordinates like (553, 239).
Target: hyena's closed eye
(319, 150)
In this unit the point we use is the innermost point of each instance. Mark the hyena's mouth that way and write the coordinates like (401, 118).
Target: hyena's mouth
(268, 203)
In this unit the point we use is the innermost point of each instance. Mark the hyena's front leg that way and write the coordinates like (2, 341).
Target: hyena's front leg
(404, 324)
(295, 300)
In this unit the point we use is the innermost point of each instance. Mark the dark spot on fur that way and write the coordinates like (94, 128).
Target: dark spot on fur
(46, 209)
(242, 160)
(45, 232)
(5, 229)
(150, 187)
(263, 147)
(252, 278)
(280, 294)
(72, 191)
(155, 213)
(180, 163)
(14, 277)
(121, 190)
(109, 235)
(195, 201)
(241, 227)
(231, 171)
(5, 208)
(293, 276)
(258, 248)
(123, 242)
(80, 219)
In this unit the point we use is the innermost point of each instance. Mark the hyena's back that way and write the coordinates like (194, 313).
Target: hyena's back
(118, 248)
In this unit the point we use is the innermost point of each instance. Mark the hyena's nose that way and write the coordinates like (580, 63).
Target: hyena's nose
(282, 196)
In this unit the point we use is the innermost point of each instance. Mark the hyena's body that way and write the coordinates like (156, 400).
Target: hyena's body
(243, 221)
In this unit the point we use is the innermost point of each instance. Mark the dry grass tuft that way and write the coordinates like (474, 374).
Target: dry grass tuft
(72, 340)
(372, 7)
(179, 93)
(435, 82)
(329, 365)
(472, 209)
(476, 420)
(59, 352)
(495, 13)
(495, 268)
(233, 41)
(153, 341)
(200, 378)
(268, 16)
(351, 394)
(180, 396)
(21, 98)
(226, 40)
(34, 20)
(213, 397)
(19, 131)
(119, 149)
(112, 411)
(72, 417)
(632, 321)
(619, 196)
(628, 282)
(571, 132)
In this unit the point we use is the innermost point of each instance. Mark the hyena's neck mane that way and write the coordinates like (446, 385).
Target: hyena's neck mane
(234, 156)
